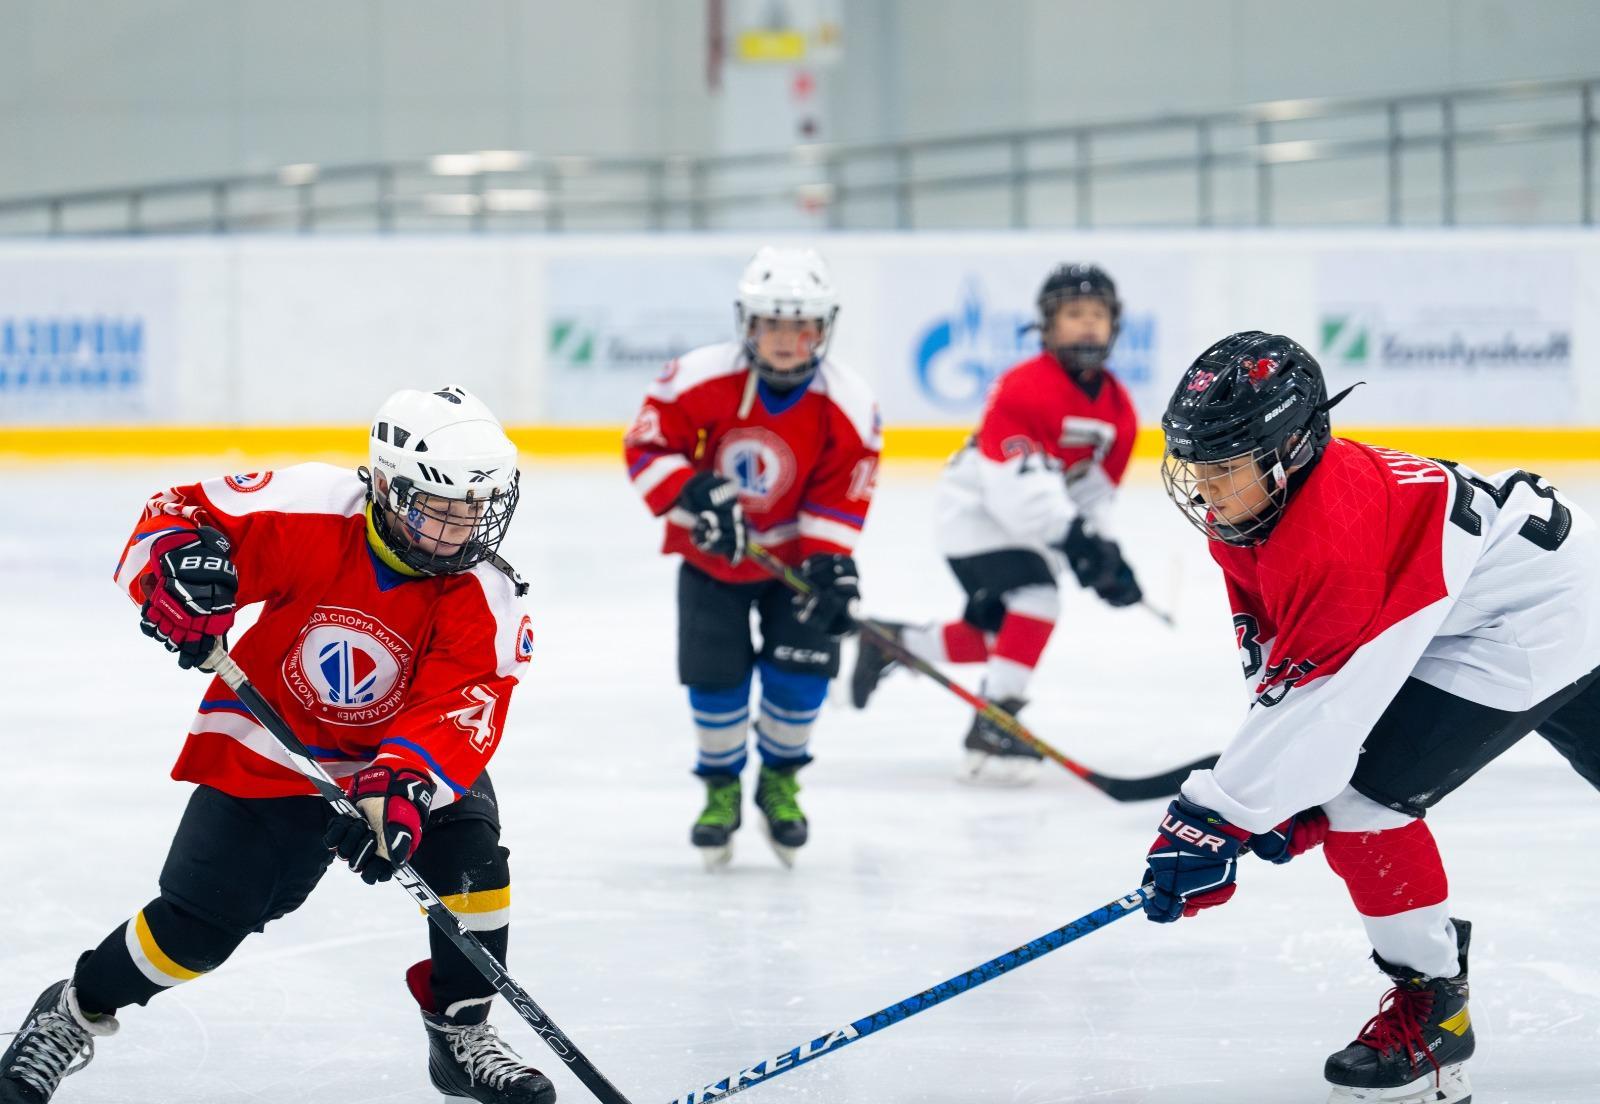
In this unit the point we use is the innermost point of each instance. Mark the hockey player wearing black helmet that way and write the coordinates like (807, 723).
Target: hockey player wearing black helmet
(1401, 622)
(1079, 319)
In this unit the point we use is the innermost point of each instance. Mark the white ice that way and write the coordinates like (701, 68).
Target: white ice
(668, 977)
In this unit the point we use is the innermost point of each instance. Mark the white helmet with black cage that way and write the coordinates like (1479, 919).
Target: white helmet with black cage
(443, 481)
(789, 285)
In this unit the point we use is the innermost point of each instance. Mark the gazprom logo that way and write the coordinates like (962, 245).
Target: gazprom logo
(959, 355)
(64, 353)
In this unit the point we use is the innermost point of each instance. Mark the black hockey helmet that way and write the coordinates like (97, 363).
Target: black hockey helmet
(1078, 281)
(1248, 414)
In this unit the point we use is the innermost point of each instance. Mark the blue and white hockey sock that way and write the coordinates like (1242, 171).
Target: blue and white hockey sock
(721, 721)
(790, 702)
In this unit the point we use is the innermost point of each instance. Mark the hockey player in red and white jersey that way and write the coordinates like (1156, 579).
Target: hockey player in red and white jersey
(390, 638)
(765, 439)
(1030, 495)
(1401, 622)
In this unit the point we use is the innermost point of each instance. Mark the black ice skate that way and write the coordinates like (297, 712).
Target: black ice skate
(786, 824)
(472, 1062)
(1413, 1051)
(56, 1039)
(719, 820)
(996, 757)
(872, 663)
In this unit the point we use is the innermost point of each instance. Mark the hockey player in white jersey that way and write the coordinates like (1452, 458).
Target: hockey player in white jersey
(1401, 622)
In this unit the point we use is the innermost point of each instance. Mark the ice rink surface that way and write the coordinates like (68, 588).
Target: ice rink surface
(669, 977)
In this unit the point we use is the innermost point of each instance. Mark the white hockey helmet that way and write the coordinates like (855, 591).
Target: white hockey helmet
(786, 283)
(443, 480)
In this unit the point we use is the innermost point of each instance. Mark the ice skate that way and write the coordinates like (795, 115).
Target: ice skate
(1414, 1050)
(472, 1062)
(997, 758)
(785, 823)
(718, 821)
(55, 1040)
(872, 663)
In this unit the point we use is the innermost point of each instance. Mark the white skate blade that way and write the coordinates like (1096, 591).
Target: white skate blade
(785, 854)
(982, 769)
(1452, 1087)
(716, 858)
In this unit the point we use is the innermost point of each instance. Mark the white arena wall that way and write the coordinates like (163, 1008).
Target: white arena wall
(1483, 343)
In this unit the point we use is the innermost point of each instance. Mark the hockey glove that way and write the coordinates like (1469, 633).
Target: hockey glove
(835, 590)
(718, 518)
(1192, 862)
(1295, 836)
(191, 588)
(1098, 564)
(395, 803)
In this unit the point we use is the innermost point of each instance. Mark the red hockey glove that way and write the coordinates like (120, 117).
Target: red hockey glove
(191, 586)
(395, 803)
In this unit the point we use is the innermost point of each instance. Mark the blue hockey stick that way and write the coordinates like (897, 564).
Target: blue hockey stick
(768, 1068)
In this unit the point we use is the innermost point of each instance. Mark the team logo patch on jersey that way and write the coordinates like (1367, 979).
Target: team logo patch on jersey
(249, 481)
(348, 667)
(525, 639)
(760, 461)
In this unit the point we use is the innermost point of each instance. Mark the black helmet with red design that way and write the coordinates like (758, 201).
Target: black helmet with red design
(1251, 396)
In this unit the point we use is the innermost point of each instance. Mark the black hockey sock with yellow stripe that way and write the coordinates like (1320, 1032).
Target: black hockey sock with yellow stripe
(161, 946)
(472, 874)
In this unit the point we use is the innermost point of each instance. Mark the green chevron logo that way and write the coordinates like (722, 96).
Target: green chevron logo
(1346, 339)
(572, 342)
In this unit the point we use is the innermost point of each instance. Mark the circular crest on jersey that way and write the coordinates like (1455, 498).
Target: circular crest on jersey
(760, 461)
(347, 667)
(525, 639)
(248, 481)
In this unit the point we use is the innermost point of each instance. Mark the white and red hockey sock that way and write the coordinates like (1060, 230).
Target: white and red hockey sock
(1031, 614)
(957, 642)
(1397, 882)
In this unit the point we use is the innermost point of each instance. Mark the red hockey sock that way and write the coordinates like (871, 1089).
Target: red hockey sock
(1022, 638)
(964, 643)
(1389, 872)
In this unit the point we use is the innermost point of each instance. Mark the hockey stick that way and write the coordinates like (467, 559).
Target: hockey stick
(1166, 618)
(1118, 789)
(408, 879)
(830, 1041)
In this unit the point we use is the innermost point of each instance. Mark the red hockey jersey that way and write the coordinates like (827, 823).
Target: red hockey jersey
(1384, 567)
(1046, 451)
(806, 461)
(363, 662)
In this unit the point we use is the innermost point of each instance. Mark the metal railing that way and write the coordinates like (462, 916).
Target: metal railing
(1415, 159)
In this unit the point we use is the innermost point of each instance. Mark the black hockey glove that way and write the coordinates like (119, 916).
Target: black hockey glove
(395, 802)
(1098, 564)
(191, 585)
(835, 590)
(718, 518)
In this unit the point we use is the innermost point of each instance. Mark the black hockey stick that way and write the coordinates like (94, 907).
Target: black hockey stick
(1164, 784)
(408, 879)
(830, 1041)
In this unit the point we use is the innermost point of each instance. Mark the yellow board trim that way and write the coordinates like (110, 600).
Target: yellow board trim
(264, 446)
(156, 956)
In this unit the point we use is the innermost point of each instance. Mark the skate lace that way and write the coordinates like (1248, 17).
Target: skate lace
(55, 1047)
(1401, 1015)
(486, 1057)
(722, 805)
(777, 795)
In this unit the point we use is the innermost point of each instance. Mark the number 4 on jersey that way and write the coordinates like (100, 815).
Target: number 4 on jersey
(477, 720)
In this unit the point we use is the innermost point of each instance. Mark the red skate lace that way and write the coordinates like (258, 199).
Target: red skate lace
(1398, 1024)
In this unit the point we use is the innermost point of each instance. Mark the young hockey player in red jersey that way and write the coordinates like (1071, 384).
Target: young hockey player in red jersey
(1401, 622)
(1030, 495)
(766, 439)
(390, 638)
